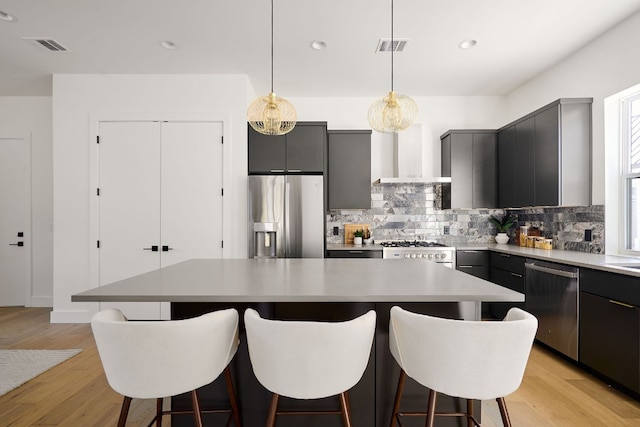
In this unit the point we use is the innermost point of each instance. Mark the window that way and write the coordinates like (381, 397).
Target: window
(630, 163)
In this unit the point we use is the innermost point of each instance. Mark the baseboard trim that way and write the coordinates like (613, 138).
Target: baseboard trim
(41, 302)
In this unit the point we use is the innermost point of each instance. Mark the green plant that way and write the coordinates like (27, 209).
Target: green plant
(358, 233)
(504, 223)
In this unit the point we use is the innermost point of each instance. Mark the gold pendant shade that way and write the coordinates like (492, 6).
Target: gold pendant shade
(271, 115)
(393, 113)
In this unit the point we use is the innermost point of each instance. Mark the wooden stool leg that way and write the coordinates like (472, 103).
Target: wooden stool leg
(232, 398)
(159, 412)
(273, 408)
(502, 405)
(197, 415)
(431, 409)
(346, 411)
(124, 411)
(396, 403)
(470, 421)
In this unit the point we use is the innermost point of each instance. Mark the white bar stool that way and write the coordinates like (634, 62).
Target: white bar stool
(157, 359)
(309, 360)
(466, 359)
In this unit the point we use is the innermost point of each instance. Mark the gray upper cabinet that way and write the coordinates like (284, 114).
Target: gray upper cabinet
(299, 151)
(544, 158)
(516, 166)
(349, 169)
(469, 158)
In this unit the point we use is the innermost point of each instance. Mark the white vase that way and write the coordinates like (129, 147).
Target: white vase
(502, 238)
(357, 240)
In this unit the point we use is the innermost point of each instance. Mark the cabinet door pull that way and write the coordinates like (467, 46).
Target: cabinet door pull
(465, 266)
(277, 170)
(505, 255)
(294, 170)
(356, 252)
(621, 303)
(517, 275)
(470, 252)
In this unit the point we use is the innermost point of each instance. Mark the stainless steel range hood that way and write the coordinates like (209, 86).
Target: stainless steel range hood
(407, 160)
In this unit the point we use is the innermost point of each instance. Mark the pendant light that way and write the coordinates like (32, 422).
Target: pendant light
(394, 112)
(271, 115)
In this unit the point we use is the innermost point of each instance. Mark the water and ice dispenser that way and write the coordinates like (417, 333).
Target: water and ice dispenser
(265, 240)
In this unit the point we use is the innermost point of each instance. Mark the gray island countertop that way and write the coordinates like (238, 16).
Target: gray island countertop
(302, 280)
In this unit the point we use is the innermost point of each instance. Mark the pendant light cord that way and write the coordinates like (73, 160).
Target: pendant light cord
(272, 46)
(392, 46)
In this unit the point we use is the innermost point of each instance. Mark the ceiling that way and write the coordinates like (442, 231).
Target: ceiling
(517, 39)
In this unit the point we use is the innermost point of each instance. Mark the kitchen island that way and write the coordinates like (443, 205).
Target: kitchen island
(312, 289)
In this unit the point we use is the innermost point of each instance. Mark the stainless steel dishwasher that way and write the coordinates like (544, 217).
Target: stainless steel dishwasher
(551, 292)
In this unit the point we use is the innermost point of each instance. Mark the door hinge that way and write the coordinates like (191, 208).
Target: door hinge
(97, 139)
(222, 191)
(222, 140)
(98, 244)
(222, 244)
(97, 191)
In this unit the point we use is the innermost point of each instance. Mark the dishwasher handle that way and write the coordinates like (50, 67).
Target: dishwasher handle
(555, 272)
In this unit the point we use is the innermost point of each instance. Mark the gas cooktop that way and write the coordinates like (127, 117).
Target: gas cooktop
(411, 244)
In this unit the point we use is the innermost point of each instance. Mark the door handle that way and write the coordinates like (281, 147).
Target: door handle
(153, 248)
(166, 249)
(17, 244)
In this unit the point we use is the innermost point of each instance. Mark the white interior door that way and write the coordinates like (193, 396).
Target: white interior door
(160, 200)
(191, 191)
(129, 206)
(15, 280)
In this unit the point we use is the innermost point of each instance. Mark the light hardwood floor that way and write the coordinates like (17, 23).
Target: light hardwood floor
(75, 393)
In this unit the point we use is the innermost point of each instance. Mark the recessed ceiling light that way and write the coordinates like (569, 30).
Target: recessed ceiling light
(168, 45)
(6, 17)
(467, 44)
(318, 45)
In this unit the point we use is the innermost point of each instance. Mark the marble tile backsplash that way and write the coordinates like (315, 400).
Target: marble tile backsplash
(411, 212)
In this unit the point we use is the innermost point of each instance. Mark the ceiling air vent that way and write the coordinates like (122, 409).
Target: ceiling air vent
(47, 43)
(398, 45)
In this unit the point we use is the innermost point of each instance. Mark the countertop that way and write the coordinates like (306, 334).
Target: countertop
(302, 280)
(578, 259)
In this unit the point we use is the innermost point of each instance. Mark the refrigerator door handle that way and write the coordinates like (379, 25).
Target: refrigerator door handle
(287, 213)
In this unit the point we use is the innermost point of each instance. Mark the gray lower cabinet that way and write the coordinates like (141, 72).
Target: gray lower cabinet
(469, 158)
(508, 271)
(299, 151)
(354, 253)
(610, 326)
(473, 262)
(544, 158)
(349, 169)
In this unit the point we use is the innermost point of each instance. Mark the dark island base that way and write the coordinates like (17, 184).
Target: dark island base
(371, 399)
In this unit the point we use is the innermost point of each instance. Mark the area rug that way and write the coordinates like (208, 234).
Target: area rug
(19, 366)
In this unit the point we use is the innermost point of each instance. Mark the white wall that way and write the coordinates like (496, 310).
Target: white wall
(76, 98)
(24, 116)
(436, 115)
(602, 68)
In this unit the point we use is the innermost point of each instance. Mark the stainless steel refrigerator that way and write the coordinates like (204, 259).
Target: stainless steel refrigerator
(286, 216)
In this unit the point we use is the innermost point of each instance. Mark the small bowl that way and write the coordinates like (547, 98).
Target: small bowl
(367, 241)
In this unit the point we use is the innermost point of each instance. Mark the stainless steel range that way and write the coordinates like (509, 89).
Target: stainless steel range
(421, 250)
